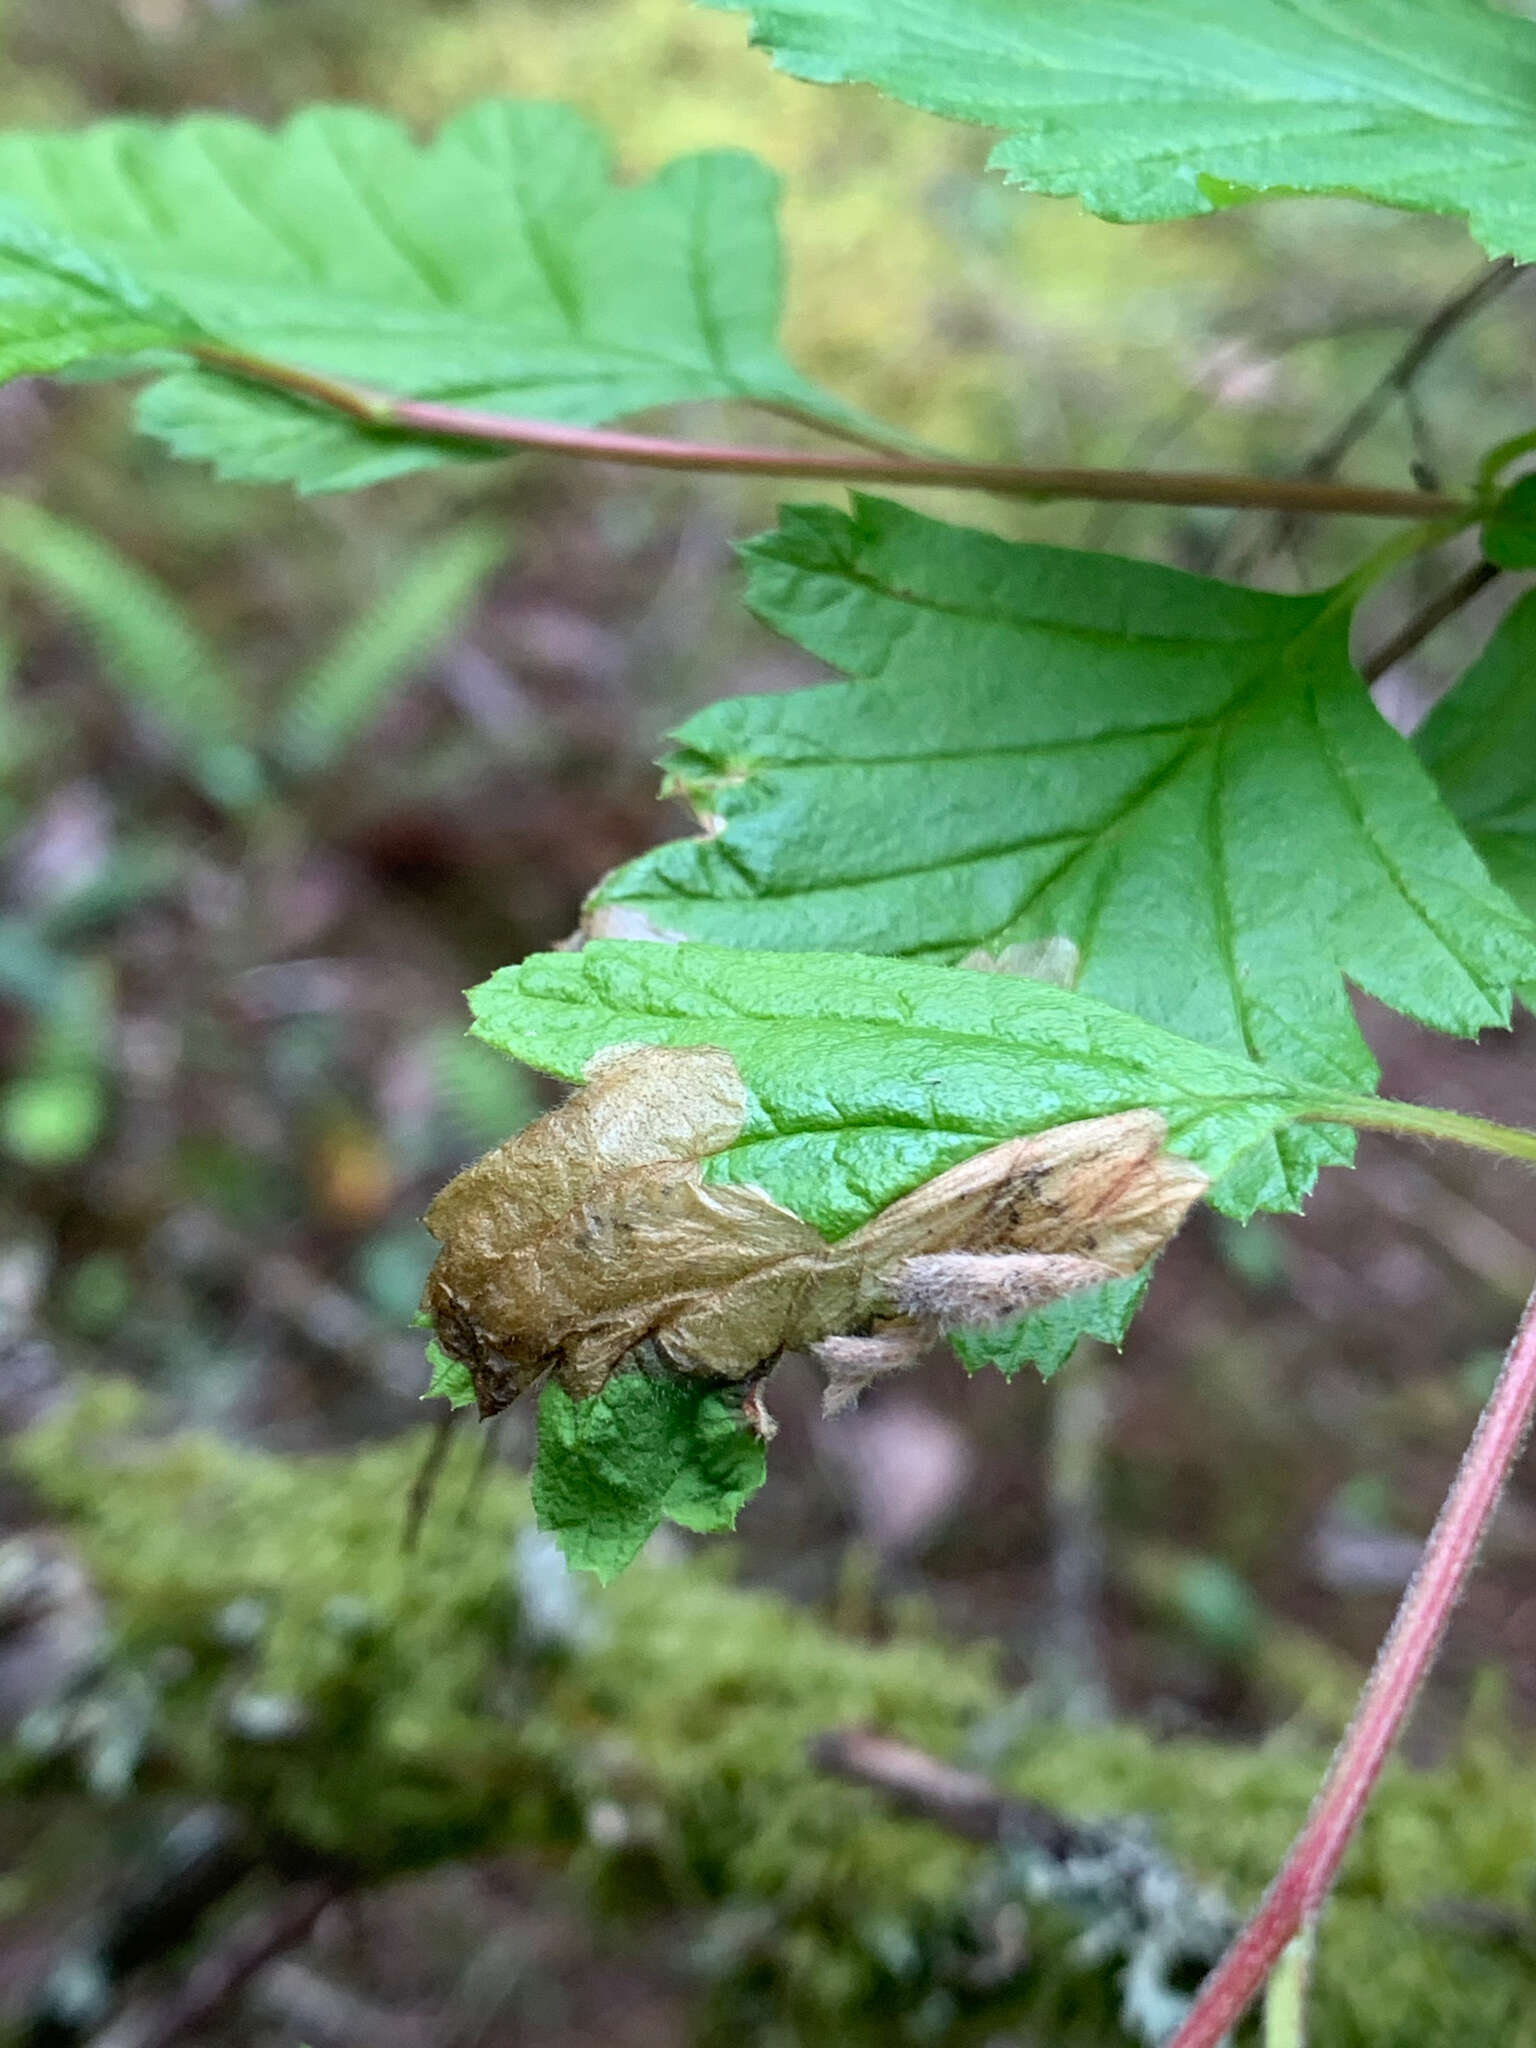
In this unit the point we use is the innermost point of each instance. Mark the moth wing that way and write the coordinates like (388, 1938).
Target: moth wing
(642, 1104)
(533, 1238)
(1103, 1189)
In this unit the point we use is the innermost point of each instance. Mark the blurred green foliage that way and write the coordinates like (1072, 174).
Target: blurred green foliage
(156, 658)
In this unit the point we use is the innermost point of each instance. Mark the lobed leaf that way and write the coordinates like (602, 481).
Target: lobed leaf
(498, 266)
(1047, 1338)
(1185, 779)
(1157, 109)
(612, 1468)
(864, 1078)
(1479, 743)
(63, 305)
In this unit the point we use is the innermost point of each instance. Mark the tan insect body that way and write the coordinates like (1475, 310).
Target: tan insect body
(593, 1233)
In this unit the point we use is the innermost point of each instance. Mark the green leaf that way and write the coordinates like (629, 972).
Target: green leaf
(484, 1098)
(331, 706)
(498, 267)
(612, 1468)
(150, 649)
(450, 1379)
(724, 1464)
(1509, 536)
(867, 1077)
(62, 305)
(1047, 1338)
(1186, 779)
(1479, 743)
(1156, 109)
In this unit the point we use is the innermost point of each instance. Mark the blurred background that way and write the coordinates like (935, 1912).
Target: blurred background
(232, 1069)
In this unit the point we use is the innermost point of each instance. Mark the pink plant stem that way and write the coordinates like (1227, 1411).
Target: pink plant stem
(387, 413)
(1306, 1876)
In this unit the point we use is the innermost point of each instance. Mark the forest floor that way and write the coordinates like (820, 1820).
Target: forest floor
(270, 1018)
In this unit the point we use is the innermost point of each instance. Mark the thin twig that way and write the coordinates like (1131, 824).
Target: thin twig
(1306, 1877)
(485, 1464)
(879, 441)
(1423, 1120)
(1140, 1908)
(1434, 614)
(430, 419)
(955, 1800)
(424, 1485)
(1397, 380)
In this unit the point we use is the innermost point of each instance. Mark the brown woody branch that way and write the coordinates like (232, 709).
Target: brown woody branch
(1397, 382)
(955, 1800)
(216, 1977)
(1424, 622)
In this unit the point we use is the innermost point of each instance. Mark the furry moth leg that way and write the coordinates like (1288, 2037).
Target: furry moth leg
(853, 1363)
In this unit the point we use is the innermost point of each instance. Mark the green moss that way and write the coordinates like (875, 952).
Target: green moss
(662, 1751)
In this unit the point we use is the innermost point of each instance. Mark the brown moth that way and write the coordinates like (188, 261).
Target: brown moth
(593, 1232)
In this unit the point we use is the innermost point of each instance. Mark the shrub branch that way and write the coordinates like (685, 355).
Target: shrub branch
(1428, 620)
(1307, 1874)
(430, 419)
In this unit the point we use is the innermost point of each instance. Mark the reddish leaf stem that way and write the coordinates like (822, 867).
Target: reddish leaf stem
(1307, 1874)
(429, 419)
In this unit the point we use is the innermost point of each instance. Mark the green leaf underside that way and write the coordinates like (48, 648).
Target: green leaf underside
(450, 1380)
(1479, 743)
(1186, 779)
(61, 305)
(497, 267)
(612, 1468)
(866, 1077)
(1158, 109)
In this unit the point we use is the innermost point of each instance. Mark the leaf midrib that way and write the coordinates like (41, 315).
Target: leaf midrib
(1267, 1085)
